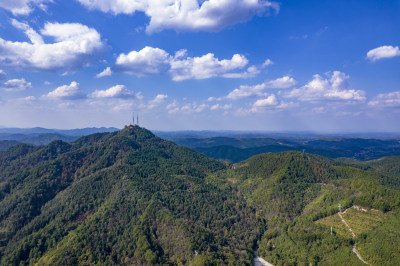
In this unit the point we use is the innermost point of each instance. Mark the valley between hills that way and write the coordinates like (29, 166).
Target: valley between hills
(129, 197)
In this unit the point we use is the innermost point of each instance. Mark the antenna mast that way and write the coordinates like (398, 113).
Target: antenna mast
(137, 119)
(133, 118)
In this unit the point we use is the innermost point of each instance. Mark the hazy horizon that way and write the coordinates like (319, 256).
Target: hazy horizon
(222, 131)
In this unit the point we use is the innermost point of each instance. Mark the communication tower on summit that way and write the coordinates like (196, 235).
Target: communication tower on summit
(132, 123)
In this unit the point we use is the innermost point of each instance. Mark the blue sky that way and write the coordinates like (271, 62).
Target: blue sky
(326, 66)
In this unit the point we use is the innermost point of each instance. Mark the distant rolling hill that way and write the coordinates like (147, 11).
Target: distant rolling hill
(43, 136)
(6, 144)
(69, 132)
(45, 139)
(238, 149)
(231, 149)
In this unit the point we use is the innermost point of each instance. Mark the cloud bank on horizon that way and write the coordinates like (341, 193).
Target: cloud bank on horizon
(190, 64)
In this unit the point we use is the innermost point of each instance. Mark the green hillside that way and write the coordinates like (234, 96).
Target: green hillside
(118, 198)
(292, 191)
(131, 198)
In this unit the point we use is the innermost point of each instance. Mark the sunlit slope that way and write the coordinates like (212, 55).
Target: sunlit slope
(292, 191)
(376, 233)
(126, 197)
(129, 198)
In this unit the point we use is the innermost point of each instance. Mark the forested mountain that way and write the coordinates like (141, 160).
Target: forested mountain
(230, 146)
(131, 198)
(126, 197)
(293, 192)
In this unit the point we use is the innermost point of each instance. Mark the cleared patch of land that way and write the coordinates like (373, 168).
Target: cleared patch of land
(360, 221)
(337, 226)
(363, 221)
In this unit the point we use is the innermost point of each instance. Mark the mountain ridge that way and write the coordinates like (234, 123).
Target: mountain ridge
(129, 197)
(92, 180)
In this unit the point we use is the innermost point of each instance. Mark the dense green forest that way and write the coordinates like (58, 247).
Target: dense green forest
(292, 191)
(129, 198)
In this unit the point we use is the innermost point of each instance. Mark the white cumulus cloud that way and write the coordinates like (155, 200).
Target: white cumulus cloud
(155, 61)
(247, 91)
(66, 92)
(117, 91)
(187, 15)
(258, 90)
(187, 108)
(16, 85)
(206, 66)
(116, 6)
(104, 73)
(335, 88)
(270, 100)
(147, 61)
(3, 74)
(221, 106)
(382, 100)
(22, 7)
(267, 103)
(157, 101)
(75, 45)
(281, 83)
(385, 51)
(267, 62)
(251, 71)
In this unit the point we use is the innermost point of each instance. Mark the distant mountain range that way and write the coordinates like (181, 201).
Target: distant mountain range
(231, 146)
(68, 132)
(239, 149)
(300, 135)
(43, 136)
